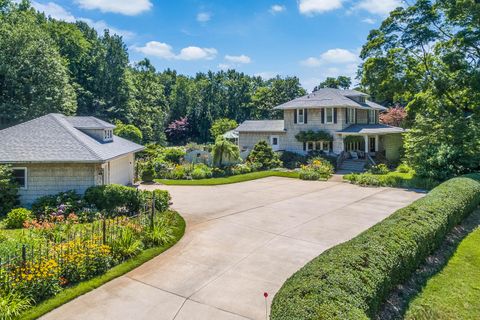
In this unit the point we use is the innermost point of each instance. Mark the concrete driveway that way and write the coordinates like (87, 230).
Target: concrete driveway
(242, 240)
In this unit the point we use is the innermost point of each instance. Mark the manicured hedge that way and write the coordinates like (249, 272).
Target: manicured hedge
(352, 280)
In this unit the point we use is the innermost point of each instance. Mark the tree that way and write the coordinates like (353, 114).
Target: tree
(427, 56)
(33, 77)
(225, 151)
(221, 126)
(263, 155)
(177, 131)
(128, 131)
(8, 190)
(341, 82)
(394, 116)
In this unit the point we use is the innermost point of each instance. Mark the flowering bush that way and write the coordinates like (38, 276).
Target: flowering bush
(82, 260)
(38, 280)
(317, 169)
(62, 203)
(16, 218)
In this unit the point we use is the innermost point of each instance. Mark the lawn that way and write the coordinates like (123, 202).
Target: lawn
(453, 293)
(231, 179)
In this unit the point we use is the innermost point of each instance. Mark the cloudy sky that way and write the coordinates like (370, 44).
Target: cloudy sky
(310, 39)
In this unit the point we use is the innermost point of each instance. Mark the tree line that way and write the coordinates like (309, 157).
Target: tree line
(48, 66)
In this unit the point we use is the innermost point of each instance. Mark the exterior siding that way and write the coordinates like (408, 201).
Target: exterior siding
(247, 140)
(49, 179)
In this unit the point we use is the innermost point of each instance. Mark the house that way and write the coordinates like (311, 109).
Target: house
(331, 120)
(56, 153)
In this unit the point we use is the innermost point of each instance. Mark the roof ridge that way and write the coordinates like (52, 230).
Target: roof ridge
(56, 116)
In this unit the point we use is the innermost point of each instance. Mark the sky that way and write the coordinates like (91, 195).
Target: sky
(310, 39)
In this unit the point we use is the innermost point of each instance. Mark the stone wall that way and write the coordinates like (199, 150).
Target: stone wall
(49, 179)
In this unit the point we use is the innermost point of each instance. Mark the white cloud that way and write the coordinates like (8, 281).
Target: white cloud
(165, 51)
(224, 66)
(197, 53)
(379, 7)
(311, 62)
(339, 56)
(156, 49)
(238, 59)
(331, 57)
(58, 12)
(54, 10)
(204, 17)
(310, 7)
(277, 8)
(369, 20)
(126, 7)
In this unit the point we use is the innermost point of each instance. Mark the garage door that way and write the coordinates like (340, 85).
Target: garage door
(121, 170)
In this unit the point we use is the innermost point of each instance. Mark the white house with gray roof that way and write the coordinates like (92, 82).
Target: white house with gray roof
(341, 114)
(56, 153)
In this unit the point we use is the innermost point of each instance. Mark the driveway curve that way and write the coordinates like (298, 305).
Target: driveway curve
(241, 240)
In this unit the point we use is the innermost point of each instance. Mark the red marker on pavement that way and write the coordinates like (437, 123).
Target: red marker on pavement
(265, 294)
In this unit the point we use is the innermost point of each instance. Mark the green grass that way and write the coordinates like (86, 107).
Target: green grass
(84, 287)
(231, 179)
(453, 293)
(392, 179)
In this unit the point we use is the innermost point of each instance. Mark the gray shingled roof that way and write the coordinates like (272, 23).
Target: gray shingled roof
(329, 97)
(53, 138)
(371, 129)
(89, 123)
(261, 126)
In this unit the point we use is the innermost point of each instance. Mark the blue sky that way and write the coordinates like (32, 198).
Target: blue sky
(310, 39)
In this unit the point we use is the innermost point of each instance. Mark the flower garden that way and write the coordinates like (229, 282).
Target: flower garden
(68, 239)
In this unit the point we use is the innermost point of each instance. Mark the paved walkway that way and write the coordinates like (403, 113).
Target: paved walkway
(241, 240)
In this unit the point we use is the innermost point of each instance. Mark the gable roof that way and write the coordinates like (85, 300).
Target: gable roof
(330, 97)
(262, 126)
(54, 138)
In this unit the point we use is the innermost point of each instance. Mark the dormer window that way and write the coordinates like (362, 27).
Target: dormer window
(361, 99)
(108, 135)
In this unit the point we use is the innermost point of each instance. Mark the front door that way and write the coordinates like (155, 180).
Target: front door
(275, 142)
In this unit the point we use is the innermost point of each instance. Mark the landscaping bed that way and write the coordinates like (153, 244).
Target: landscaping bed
(69, 244)
(352, 280)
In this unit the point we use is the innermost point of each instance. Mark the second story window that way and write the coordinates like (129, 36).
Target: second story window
(329, 115)
(351, 115)
(107, 135)
(372, 116)
(301, 115)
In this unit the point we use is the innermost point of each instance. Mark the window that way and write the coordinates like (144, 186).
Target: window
(310, 146)
(107, 135)
(351, 115)
(371, 116)
(362, 99)
(20, 177)
(300, 115)
(329, 115)
(274, 141)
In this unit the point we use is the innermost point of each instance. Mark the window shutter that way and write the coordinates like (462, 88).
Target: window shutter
(376, 116)
(305, 116)
(368, 116)
(304, 146)
(334, 115)
(346, 115)
(294, 115)
(356, 116)
(323, 115)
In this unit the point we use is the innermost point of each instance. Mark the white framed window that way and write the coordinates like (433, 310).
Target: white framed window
(318, 145)
(20, 176)
(301, 116)
(329, 115)
(371, 116)
(362, 99)
(107, 135)
(351, 115)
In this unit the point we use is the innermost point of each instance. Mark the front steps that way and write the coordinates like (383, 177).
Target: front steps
(352, 166)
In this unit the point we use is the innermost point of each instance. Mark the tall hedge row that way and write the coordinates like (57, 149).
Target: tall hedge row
(352, 280)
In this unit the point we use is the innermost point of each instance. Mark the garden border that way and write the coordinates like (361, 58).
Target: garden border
(115, 272)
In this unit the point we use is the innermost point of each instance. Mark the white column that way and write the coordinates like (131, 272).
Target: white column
(366, 143)
(377, 139)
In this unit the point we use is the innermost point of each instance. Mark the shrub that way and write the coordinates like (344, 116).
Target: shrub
(178, 172)
(201, 171)
(147, 172)
(12, 305)
(126, 244)
(351, 280)
(404, 168)
(8, 190)
(379, 169)
(70, 202)
(264, 155)
(241, 168)
(173, 154)
(225, 152)
(128, 131)
(317, 169)
(115, 198)
(17, 217)
(292, 160)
